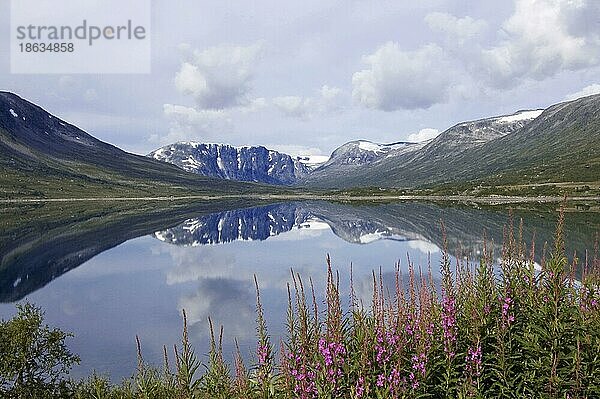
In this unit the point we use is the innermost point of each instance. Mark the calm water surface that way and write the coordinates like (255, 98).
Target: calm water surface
(111, 283)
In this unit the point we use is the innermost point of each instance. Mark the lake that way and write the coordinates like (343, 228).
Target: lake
(108, 272)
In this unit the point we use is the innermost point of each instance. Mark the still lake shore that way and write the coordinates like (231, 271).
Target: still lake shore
(489, 200)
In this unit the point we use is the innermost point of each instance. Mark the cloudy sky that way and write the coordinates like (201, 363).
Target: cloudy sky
(307, 76)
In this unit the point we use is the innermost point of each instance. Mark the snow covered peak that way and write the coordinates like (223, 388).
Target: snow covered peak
(467, 135)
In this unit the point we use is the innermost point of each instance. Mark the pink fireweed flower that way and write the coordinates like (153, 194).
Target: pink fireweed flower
(385, 346)
(380, 380)
(419, 363)
(359, 388)
(264, 360)
(414, 380)
(430, 329)
(262, 353)
(507, 316)
(411, 325)
(305, 386)
(394, 381)
(473, 361)
(449, 325)
(588, 302)
(333, 354)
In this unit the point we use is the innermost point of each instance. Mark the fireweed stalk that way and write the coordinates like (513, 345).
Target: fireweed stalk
(331, 346)
(265, 368)
(448, 315)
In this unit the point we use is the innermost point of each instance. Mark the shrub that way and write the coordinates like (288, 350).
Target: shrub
(34, 359)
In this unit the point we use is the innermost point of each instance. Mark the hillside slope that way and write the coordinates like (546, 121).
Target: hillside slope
(560, 144)
(44, 156)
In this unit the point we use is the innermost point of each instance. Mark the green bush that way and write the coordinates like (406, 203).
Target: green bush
(34, 359)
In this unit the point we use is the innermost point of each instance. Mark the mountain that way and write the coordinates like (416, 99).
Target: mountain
(42, 155)
(559, 144)
(252, 164)
(361, 152)
(353, 156)
(468, 135)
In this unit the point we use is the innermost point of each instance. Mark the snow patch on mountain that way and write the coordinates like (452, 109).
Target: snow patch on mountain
(521, 116)
(369, 146)
(312, 161)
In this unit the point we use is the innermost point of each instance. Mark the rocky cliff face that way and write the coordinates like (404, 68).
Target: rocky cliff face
(254, 164)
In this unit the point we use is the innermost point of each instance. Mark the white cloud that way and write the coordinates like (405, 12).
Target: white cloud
(459, 30)
(192, 116)
(330, 94)
(200, 263)
(228, 302)
(423, 135)
(543, 38)
(189, 123)
(255, 105)
(586, 91)
(398, 79)
(219, 77)
(328, 100)
(300, 107)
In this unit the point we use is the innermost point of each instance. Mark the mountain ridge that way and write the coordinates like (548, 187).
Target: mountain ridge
(42, 155)
(460, 137)
(244, 163)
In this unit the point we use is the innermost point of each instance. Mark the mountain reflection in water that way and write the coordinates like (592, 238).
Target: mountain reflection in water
(29, 261)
